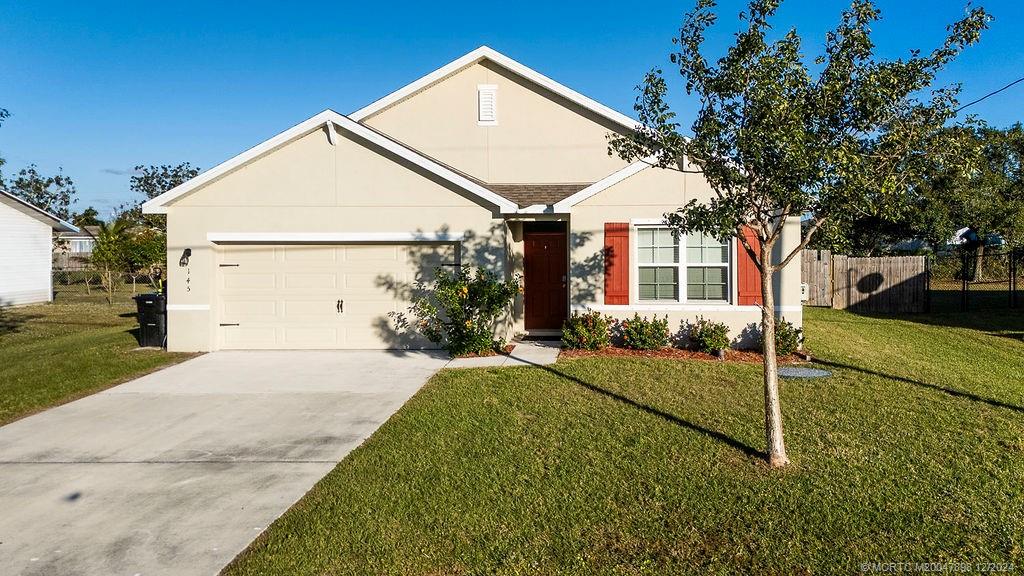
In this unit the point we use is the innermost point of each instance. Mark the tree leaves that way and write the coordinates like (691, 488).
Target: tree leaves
(54, 194)
(776, 140)
(150, 182)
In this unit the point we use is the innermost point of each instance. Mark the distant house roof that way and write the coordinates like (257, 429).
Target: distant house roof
(43, 216)
(81, 232)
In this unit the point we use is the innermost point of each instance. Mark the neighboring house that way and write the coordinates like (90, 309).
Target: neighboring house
(26, 247)
(311, 238)
(74, 248)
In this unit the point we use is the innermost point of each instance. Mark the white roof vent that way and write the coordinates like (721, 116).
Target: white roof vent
(487, 104)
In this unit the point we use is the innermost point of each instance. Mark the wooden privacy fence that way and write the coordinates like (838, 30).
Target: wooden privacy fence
(888, 284)
(816, 272)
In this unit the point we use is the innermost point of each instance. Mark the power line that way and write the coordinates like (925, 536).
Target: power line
(972, 103)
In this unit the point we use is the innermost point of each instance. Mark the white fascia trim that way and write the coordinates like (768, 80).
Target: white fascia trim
(334, 237)
(40, 214)
(188, 307)
(678, 308)
(327, 118)
(482, 53)
(566, 204)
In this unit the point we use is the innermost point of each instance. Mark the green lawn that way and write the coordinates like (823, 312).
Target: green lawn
(912, 451)
(54, 353)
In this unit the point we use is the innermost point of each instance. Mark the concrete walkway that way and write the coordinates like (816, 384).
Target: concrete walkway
(176, 472)
(526, 353)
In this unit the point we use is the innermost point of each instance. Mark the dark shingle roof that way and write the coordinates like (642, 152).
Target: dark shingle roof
(529, 194)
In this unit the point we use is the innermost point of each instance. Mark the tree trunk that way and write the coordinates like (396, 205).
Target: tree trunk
(979, 260)
(776, 447)
(110, 286)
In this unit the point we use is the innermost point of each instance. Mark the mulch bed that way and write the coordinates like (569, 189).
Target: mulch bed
(746, 356)
(504, 352)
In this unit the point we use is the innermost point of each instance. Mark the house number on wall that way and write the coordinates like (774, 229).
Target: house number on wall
(188, 279)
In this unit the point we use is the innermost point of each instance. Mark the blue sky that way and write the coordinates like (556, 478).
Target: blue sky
(99, 87)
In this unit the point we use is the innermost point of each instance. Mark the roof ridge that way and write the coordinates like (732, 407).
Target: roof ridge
(488, 53)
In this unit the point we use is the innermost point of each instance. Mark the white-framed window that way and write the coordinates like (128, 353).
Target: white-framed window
(707, 268)
(688, 268)
(487, 104)
(658, 263)
(84, 245)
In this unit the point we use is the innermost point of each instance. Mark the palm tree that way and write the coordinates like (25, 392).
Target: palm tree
(109, 256)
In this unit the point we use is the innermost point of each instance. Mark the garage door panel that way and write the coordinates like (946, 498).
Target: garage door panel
(249, 336)
(248, 282)
(311, 336)
(373, 253)
(287, 296)
(250, 308)
(370, 284)
(310, 281)
(301, 309)
(253, 254)
(310, 254)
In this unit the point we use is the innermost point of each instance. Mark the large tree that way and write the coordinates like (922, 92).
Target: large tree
(55, 194)
(779, 138)
(990, 198)
(88, 217)
(150, 182)
(981, 188)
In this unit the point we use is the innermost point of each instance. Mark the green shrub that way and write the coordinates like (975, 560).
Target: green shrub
(787, 338)
(643, 334)
(461, 309)
(708, 336)
(588, 331)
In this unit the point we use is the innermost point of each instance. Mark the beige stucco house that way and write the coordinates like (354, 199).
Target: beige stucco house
(311, 238)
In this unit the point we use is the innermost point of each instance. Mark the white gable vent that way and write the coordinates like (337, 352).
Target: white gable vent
(487, 104)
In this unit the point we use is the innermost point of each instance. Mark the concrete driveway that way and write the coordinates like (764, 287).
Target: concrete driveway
(176, 472)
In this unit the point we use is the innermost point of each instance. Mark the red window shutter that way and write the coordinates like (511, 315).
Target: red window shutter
(616, 263)
(748, 278)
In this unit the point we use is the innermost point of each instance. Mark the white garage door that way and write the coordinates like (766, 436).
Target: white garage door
(323, 296)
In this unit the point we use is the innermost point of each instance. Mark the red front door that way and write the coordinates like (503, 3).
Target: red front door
(545, 263)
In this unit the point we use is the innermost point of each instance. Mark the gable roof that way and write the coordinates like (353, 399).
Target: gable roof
(486, 53)
(566, 204)
(330, 118)
(35, 212)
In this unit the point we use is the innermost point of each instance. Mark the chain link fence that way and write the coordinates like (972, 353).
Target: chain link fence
(975, 280)
(86, 285)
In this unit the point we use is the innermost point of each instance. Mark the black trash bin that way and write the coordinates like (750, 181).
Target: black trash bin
(152, 315)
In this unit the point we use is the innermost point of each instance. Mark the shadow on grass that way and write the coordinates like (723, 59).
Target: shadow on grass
(995, 320)
(11, 320)
(944, 390)
(713, 434)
